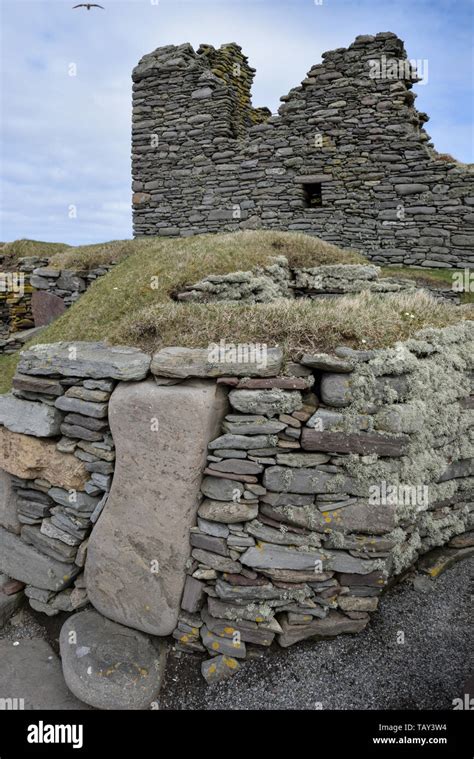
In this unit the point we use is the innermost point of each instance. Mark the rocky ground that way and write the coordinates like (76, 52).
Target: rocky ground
(372, 670)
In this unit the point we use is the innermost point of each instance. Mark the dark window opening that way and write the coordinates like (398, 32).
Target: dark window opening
(312, 195)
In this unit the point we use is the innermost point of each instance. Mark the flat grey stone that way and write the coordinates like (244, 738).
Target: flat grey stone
(261, 426)
(200, 362)
(242, 442)
(80, 433)
(334, 624)
(29, 417)
(302, 480)
(236, 466)
(76, 500)
(213, 528)
(37, 385)
(110, 666)
(326, 363)
(296, 460)
(25, 563)
(214, 561)
(270, 556)
(221, 489)
(85, 359)
(137, 553)
(31, 671)
(215, 644)
(193, 595)
(267, 402)
(209, 543)
(77, 406)
(219, 668)
(227, 512)
(57, 549)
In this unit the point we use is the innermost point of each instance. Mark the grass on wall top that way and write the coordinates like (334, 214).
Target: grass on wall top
(132, 305)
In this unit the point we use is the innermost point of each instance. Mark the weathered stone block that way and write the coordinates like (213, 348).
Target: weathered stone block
(46, 307)
(29, 417)
(135, 567)
(31, 458)
(83, 359)
(110, 666)
(199, 362)
(363, 443)
(24, 562)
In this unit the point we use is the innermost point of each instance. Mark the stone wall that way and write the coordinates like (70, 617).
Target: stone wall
(323, 481)
(45, 293)
(346, 158)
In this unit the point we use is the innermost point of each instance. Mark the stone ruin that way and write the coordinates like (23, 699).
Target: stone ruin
(228, 499)
(346, 158)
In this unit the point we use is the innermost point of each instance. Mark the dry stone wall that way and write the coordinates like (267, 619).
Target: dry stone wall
(324, 480)
(35, 295)
(346, 158)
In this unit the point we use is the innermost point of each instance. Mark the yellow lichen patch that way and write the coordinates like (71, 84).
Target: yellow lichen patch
(229, 630)
(212, 669)
(229, 662)
(215, 645)
(184, 638)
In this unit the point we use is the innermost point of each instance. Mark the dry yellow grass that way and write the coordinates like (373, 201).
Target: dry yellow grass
(133, 305)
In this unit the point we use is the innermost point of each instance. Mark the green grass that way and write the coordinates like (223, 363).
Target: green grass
(432, 277)
(133, 304)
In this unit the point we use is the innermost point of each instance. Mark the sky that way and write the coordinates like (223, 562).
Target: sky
(65, 161)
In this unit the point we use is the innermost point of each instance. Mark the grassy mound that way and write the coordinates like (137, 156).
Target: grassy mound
(132, 305)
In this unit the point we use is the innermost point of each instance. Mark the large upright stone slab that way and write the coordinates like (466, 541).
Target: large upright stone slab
(46, 307)
(135, 568)
(8, 504)
(29, 417)
(83, 359)
(29, 457)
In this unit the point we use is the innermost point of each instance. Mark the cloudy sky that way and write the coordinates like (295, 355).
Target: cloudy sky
(66, 139)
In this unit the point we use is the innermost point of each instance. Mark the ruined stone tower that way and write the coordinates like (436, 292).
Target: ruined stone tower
(346, 158)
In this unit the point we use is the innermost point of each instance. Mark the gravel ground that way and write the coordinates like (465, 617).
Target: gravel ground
(366, 671)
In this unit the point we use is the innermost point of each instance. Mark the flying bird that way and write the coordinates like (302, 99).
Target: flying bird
(89, 6)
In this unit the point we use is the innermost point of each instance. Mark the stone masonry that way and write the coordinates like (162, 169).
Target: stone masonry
(324, 479)
(346, 158)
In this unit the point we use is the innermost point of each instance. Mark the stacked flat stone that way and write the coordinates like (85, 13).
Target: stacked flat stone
(202, 163)
(67, 284)
(279, 280)
(47, 293)
(288, 543)
(62, 395)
